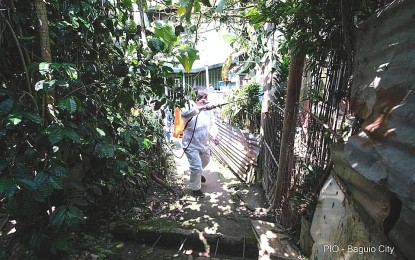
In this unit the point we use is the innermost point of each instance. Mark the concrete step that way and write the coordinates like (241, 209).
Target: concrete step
(173, 235)
(273, 243)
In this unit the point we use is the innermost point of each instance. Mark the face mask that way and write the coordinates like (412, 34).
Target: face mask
(202, 100)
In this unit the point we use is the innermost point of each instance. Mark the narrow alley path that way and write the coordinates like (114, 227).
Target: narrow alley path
(231, 222)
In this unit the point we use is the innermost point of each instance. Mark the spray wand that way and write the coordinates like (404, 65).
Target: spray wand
(227, 103)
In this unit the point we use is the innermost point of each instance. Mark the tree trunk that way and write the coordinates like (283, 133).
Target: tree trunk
(44, 41)
(142, 24)
(41, 13)
(282, 184)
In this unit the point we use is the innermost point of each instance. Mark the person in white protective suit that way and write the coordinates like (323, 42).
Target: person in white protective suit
(196, 137)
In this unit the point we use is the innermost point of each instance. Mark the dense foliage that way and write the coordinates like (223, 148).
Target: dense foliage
(77, 132)
(244, 108)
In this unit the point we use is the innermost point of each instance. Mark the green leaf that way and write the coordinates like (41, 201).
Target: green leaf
(187, 57)
(55, 66)
(121, 150)
(178, 30)
(105, 150)
(165, 32)
(167, 69)
(87, 24)
(181, 10)
(74, 22)
(70, 216)
(76, 212)
(196, 6)
(255, 16)
(34, 117)
(75, 217)
(189, 8)
(44, 68)
(6, 106)
(100, 131)
(62, 25)
(57, 219)
(55, 136)
(43, 190)
(28, 184)
(21, 168)
(68, 104)
(156, 44)
(128, 4)
(58, 171)
(88, 8)
(55, 183)
(144, 166)
(146, 143)
(71, 71)
(145, 5)
(56, 133)
(30, 153)
(7, 186)
(40, 178)
(71, 134)
(15, 118)
(45, 85)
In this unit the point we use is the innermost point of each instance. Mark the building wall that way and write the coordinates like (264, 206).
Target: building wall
(215, 79)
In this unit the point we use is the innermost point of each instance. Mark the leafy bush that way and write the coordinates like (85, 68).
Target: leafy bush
(244, 109)
(75, 134)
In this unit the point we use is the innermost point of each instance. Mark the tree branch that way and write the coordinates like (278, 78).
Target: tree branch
(20, 53)
(161, 182)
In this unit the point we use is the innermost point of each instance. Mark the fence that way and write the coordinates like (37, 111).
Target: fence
(239, 150)
(270, 149)
(322, 120)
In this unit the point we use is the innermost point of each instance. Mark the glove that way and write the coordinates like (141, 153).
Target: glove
(207, 107)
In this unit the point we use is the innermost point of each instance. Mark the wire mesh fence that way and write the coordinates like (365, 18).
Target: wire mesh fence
(269, 154)
(322, 119)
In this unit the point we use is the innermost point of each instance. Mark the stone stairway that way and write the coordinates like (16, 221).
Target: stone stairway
(231, 222)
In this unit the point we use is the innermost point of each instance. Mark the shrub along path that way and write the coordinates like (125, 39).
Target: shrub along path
(228, 223)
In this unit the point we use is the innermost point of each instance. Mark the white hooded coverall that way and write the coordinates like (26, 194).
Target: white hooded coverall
(198, 152)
